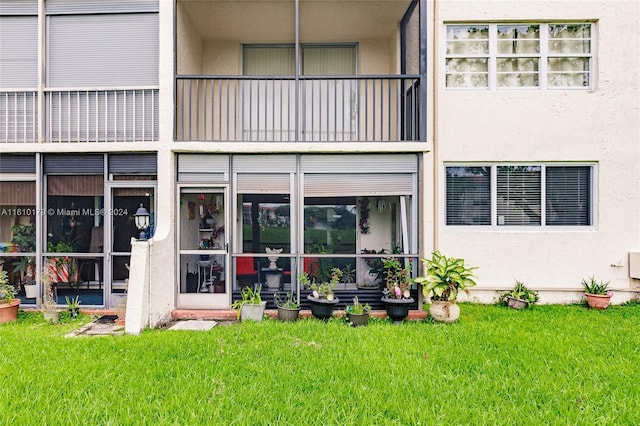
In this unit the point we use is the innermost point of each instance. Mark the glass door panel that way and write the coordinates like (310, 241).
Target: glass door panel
(203, 249)
(125, 201)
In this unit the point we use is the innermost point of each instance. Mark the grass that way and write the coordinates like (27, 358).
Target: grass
(546, 365)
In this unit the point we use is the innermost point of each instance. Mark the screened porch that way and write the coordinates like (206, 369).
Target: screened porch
(300, 71)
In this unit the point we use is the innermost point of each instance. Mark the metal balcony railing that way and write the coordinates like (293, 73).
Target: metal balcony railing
(18, 116)
(102, 115)
(309, 109)
(80, 115)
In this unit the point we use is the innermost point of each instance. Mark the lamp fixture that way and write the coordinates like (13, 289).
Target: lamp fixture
(142, 221)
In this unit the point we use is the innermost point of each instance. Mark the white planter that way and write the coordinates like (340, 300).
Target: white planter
(31, 291)
(444, 311)
(51, 316)
(252, 312)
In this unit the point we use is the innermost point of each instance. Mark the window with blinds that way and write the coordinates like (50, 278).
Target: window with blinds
(519, 195)
(568, 195)
(468, 196)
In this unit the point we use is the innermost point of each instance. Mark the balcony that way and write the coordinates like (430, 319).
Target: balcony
(300, 71)
(281, 109)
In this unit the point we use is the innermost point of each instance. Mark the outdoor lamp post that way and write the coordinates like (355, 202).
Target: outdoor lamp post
(142, 222)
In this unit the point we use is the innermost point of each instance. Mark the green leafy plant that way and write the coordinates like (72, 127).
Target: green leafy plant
(397, 278)
(592, 286)
(348, 274)
(357, 308)
(287, 302)
(60, 247)
(521, 292)
(24, 236)
(6, 290)
(323, 290)
(445, 277)
(374, 263)
(73, 303)
(250, 296)
(25, 266)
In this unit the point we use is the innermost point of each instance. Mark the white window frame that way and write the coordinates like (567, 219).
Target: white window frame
(543, 55)
(494, 226)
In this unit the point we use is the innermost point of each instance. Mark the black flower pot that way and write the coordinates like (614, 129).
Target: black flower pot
(397, 309)
(322, 308)
(288, 314)
(358, 319)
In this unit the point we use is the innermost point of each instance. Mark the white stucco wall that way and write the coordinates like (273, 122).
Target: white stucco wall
(600, 126)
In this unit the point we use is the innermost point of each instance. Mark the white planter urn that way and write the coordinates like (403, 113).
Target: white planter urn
(444, 311)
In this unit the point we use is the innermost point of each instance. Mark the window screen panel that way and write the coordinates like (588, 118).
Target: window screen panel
(568, 195)
(518, 195)
(468, 195)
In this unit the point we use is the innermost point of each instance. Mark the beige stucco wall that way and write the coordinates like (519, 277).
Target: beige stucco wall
(600, 126)
(189, 44)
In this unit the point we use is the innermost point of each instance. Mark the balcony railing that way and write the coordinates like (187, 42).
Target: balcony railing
(102, 115)
(81, 115)
(18, 116)
(322, 109)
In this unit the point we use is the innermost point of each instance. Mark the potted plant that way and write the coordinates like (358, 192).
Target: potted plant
(397, 297)
(24, 237)
(519, 297)
(322, 299)
(597, 293)
(288, 308)
(374, 271)
(8, 305)
(73, 305)
(250, 307)
(25, 266)
(49, 309)
(445, 277)
(358, 314)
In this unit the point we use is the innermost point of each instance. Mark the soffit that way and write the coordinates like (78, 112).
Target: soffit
(273, 21)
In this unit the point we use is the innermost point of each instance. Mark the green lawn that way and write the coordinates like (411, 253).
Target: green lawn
(548, 365)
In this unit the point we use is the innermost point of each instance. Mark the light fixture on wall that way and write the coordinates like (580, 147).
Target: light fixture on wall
(142, 221)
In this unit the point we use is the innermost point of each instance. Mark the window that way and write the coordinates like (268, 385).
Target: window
(499, 56)
(519, 195)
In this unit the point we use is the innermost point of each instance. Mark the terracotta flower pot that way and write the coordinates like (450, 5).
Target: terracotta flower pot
(598, 301)
(9, 311)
